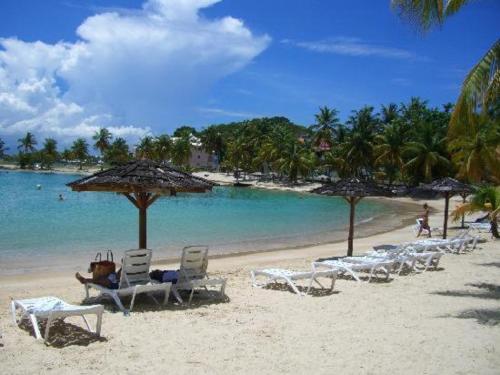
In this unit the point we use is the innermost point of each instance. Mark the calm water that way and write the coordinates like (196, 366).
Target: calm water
(35, 224)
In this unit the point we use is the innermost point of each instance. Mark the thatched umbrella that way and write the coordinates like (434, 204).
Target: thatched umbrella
(352, 190)
(142, 182)
(448, 187)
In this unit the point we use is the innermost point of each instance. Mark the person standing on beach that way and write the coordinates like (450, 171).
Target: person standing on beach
(424, 221)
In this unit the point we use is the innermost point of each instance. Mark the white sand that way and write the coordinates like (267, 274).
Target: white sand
(438, 322)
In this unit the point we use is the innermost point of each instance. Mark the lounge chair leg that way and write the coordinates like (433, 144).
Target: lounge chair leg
(191, 296)
(98, 324)
(13, 309)
(119, 303)
(87, 323)
(87, 294)
(50, 319)
(132, 301)
(34, 323)
(292, 285)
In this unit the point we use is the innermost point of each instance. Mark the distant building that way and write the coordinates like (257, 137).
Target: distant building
(199, 157)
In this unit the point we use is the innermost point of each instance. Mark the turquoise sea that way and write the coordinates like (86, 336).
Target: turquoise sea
(35, 227)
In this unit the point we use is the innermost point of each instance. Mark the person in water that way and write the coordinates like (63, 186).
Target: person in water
(61, 198)
(424, 221)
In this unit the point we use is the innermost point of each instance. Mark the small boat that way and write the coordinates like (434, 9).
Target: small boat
(241, 184)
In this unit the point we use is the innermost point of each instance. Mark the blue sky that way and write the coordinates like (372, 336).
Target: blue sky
(138, 66)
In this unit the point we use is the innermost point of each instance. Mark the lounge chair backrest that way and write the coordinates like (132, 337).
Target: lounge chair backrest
(135, 267)
(194, 262)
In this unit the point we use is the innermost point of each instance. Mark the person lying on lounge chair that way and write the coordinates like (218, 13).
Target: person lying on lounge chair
(111, 281)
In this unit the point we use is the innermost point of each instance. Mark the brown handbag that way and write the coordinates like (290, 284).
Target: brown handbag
(102, 268)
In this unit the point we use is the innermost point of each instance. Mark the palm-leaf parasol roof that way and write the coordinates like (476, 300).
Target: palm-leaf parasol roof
(448, 185)
(142, 176)
(142, 182)
(352, 190)
(353, 187)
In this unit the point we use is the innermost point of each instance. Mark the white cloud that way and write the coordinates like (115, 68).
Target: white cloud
(129, 71)
(354, 47)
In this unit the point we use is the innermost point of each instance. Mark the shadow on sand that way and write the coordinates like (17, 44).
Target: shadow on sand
(490, 291)
(63, 334)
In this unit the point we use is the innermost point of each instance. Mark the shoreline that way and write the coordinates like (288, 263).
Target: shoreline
(363, 231)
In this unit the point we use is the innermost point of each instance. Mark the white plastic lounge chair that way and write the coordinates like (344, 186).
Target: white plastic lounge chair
(275, 274)
(52, 308)
(480, 227)
(193, 273)
(352, 265)
(134, 279)
(408, 255)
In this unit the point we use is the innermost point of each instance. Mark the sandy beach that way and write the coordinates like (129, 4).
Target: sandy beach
(443, 321)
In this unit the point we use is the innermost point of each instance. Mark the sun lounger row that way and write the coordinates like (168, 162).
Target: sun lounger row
(416, 256)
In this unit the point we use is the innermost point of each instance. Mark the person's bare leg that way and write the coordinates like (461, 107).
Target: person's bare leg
(82, 279)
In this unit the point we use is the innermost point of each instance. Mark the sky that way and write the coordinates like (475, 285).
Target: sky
(138, 67)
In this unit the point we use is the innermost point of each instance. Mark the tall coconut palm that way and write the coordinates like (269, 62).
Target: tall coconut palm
(475, 151)
(163, 147)
(427, 154)
(297, 161)
(102, 140)
(145, 149)
(389, 149)
(2, 148)
(212, 141)
(80, 151)
(389, 113)
(49, 152)
(27, 143)
(359, 145)
(181, 151)
(326, 125)
(481, 88)
(118, 152)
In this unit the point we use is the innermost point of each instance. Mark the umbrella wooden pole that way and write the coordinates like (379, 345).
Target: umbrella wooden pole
(446, 205)
(350, 239)
(464, 200)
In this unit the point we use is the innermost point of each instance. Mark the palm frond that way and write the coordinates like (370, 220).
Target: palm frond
(480, 90)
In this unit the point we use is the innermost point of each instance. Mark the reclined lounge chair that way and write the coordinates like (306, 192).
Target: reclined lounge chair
(193, 273)
(52, 308)
(134, 279)
(275, 274)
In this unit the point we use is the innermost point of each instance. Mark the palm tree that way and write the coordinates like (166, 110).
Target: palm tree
(118, 152)
(481, 88)
(102, 140)
(2, 148)
(181, 151)
(146, 148)
(426, 154)
(212, 141)
(326, 125)
(162, 147)
(475, 151)
(49, 152)
(357, 149)
(297, 160)
(389, 113)
(487, 198)
(80, 151)
(389, 149)
(27, 144)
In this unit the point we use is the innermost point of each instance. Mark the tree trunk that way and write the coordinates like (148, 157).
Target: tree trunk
(446, 205)
(352, 205)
